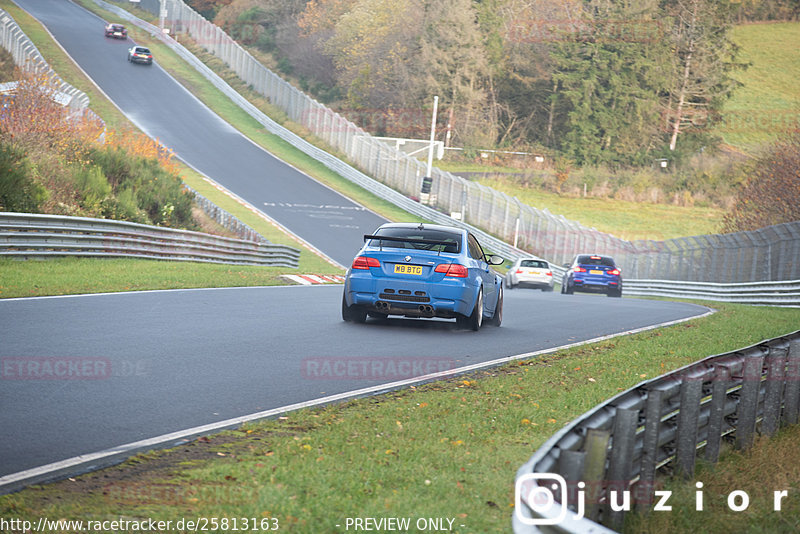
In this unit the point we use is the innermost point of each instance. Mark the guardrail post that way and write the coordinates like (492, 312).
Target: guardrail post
(748, 400)
(619, 465)
(686, 440)
(571, 466)
(647, 471)
(596, 447)
(773, 398)
(719, 394)
(791, 394)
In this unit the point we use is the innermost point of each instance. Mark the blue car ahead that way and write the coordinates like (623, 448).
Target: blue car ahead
(592, 273)
(417, 270)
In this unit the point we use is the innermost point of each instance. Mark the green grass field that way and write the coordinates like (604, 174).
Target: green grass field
(768, 103)
(620, 218)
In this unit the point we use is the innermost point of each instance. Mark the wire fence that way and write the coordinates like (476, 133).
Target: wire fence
(29, 59)
(768, 254)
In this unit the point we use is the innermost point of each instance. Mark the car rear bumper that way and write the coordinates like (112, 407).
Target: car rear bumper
(598, 285)
(393, 296)
(532, 281)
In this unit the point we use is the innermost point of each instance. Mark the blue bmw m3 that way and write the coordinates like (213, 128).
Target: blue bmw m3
(423, 270)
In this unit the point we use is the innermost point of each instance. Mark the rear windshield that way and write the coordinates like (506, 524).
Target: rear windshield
(142, 50)
(451, 241)
(535, 264)
(596, 260)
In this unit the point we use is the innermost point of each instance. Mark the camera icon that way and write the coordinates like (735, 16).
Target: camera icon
(537, 491)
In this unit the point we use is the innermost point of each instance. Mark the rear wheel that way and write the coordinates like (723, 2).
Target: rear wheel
(498, 310)
(614, 293)
(566, 289)
(474, 321)
(353, 314)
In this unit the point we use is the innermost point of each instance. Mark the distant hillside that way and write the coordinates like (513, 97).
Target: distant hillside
(769, 101)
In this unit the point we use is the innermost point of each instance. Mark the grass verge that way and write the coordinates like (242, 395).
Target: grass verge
(771, 465)
(448, 449)
(73, 276)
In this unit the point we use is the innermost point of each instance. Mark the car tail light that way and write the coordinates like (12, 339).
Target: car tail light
(614, 272)
(579, 270)
(549, 273)
(452, 269)
(519, 271)
(365, 262)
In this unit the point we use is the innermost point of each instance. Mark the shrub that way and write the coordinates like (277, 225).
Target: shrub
(772, 192)
(18, 190)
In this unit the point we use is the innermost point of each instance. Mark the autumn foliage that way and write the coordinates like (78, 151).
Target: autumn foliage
(54, 159)
(771, 194)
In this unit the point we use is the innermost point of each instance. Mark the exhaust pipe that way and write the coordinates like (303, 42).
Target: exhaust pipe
(426, 308)
(382, 305)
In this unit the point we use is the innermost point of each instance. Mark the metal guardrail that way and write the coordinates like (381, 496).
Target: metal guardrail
(620, 445)
(785, 293)
(31, 234)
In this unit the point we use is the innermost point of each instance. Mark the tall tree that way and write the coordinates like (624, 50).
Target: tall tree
(610, 73)
(453, 62)
(703, 58)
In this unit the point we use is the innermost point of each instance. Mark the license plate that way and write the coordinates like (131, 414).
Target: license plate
(416, 270)
(595, 271)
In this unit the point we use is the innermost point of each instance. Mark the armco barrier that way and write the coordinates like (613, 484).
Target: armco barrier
(37, 235)
(620, 445)
(763, 293)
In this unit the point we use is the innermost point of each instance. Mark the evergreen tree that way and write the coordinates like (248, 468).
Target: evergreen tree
(608, 68)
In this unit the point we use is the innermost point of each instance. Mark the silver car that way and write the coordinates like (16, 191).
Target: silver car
(530, 272)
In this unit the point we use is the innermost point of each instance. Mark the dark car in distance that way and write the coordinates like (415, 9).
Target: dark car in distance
(116, 31)
(140, 54)
(592, 273)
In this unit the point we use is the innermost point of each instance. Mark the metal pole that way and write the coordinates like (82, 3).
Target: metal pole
(433, 135)
(427, 180)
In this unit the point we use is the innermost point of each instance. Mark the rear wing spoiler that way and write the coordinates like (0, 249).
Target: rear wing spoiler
(382, 238)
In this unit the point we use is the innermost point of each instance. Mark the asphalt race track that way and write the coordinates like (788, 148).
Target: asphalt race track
(86, 373)
(165, 110)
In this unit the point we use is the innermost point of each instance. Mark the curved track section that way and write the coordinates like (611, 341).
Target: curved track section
(163, 108)
(86, 373)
